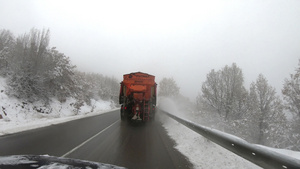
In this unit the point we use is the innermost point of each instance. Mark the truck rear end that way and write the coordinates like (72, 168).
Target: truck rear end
(138, 97)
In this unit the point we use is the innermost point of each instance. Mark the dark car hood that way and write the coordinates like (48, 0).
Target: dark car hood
(49, 162)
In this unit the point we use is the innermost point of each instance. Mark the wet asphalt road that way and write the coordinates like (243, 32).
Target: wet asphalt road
(103, 138)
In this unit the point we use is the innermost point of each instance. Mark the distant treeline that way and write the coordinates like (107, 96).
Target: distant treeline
(37, 72)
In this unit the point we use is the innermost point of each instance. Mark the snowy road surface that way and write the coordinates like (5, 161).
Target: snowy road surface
(102, 138)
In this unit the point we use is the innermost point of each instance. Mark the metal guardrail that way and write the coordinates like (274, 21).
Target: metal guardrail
(260, 156)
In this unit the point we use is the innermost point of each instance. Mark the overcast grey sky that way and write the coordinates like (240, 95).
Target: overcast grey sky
(180, 39)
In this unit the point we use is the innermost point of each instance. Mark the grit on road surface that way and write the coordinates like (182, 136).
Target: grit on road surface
(103, 138)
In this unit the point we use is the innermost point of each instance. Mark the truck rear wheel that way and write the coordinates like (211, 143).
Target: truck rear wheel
(122, 113)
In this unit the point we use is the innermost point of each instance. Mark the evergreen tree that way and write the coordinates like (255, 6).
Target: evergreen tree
(59, 75)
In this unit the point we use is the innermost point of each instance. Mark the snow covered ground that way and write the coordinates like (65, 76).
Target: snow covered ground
(202, 152)
(20, 116)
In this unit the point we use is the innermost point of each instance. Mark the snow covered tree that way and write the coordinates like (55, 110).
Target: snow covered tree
(27, 65)
(233, 81)
(38, 72)
(211, 96)
(272, 122)
(291, 96)
(256, 116)
(96, 86)
(168, 88)
(294, 135)
(291, 92)
(246, 125)
(224, 93)
(7, 42)
(59, 77)
(111, 91)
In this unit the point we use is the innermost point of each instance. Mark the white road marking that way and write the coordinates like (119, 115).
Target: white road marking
(80, 145)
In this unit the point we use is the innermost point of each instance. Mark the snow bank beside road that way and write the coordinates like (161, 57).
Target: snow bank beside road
(10, 127)
(20, 116)
(202, 152)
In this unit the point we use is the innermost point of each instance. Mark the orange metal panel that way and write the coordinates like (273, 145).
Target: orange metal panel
(139, 82)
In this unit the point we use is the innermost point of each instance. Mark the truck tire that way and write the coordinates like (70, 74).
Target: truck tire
(122, 114)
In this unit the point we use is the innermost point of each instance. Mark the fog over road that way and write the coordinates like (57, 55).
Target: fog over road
(103, 138)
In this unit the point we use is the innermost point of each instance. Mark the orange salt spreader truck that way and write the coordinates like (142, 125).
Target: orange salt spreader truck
(138, 97)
